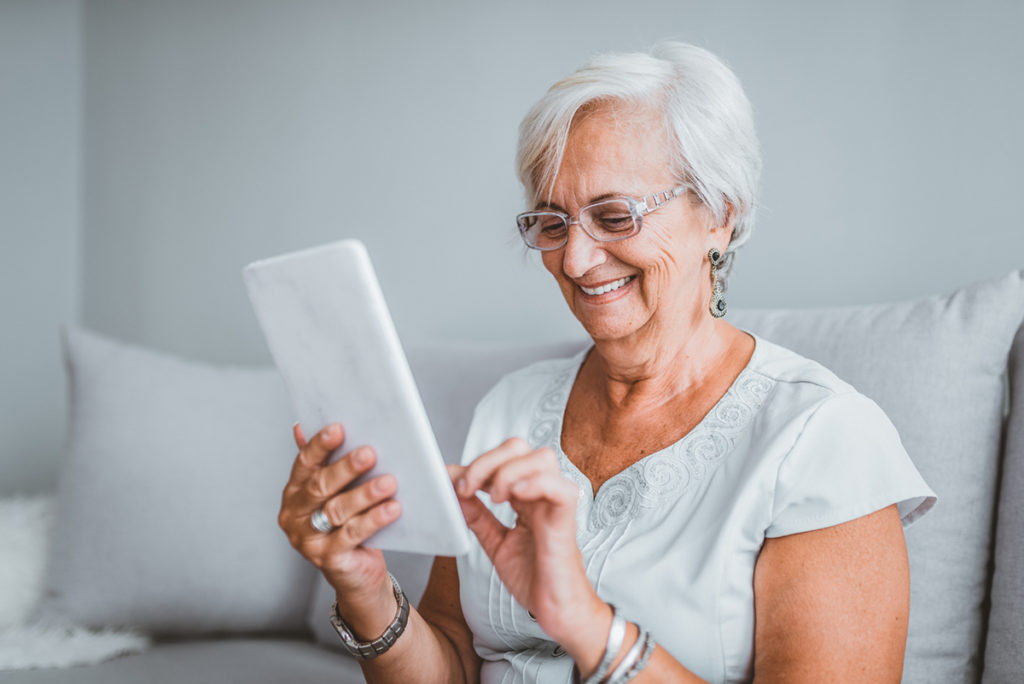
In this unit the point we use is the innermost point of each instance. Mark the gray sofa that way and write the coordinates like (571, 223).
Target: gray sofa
(167, 501)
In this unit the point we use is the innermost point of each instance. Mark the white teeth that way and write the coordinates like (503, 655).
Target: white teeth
(607, 287)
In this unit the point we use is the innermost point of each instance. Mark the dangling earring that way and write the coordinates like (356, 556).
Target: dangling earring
(717, 306)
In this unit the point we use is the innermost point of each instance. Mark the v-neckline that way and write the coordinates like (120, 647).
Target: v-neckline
(582, 478)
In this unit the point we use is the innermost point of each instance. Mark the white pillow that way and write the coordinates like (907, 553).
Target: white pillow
(168, 496)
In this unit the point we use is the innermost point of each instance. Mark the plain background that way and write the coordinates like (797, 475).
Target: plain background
(149, 149)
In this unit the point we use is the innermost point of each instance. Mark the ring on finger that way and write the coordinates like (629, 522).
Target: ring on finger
(320, 522)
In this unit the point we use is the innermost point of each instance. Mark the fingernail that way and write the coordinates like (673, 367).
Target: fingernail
(360, 457)
(391, 508)
(461, 485)
(329, 432)
(520, 487)
(381, 485)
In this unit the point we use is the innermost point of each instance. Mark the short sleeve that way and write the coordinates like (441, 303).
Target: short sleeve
(847, 462)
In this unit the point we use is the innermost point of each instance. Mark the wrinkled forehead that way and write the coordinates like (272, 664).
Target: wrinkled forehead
(623, 149)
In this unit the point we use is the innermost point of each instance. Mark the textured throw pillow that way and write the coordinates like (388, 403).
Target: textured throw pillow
(937, 367)
(25, 642)
(168, 497)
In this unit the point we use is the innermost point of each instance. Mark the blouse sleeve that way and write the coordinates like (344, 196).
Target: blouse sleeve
(848, 461)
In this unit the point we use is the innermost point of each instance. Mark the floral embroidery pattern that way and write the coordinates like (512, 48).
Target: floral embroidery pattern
(666, 474)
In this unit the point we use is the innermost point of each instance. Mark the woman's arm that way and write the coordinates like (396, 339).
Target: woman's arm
(833, 604)
(365, 595)
(538, 559)
(437, 645)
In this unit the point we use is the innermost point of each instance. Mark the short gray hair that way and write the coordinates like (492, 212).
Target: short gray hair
(717, 154)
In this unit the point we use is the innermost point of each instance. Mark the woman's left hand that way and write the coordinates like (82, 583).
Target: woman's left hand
(538, 559)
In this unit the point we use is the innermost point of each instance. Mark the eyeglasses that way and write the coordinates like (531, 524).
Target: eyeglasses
(608, 220)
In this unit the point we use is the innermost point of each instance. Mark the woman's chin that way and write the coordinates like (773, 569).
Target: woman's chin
(607, 329)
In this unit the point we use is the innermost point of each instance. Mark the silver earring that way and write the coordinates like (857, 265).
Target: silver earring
(717, 306)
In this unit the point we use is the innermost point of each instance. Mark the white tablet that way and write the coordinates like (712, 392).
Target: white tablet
(328, 328)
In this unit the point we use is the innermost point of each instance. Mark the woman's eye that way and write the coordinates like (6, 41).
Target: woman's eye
(552, 228)
(616, 222)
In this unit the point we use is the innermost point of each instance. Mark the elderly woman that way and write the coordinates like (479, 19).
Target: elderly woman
(683, 501)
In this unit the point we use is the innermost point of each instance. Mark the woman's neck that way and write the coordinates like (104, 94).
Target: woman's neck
(653, 367)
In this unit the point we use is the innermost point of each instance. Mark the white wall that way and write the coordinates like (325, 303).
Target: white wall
(224, 131)
(39, 225)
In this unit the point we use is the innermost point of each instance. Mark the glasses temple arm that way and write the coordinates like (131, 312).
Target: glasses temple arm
(659, 198)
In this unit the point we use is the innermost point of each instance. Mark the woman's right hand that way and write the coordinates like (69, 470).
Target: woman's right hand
(358, 574)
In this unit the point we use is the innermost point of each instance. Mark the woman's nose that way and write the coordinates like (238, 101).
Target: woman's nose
(582, 252)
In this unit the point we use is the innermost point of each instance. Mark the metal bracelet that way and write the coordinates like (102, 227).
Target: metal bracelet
(616, 634)
(368, 650)
(636, 660)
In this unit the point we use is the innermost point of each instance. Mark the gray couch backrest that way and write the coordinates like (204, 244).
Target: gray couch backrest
(1004, 648)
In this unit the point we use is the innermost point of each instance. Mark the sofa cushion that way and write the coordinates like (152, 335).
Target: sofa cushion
(168, 497)
(936, 366)
(1004, 657)
(232, 661)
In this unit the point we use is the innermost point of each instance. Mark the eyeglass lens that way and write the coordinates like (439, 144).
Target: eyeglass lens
(605, 221)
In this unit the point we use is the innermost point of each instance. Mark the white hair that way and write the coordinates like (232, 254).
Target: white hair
(710, 121)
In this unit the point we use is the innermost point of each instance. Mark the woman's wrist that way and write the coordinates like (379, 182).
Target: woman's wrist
(368, 614)
(586, 637)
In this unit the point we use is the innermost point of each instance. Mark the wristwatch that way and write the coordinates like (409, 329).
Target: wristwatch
(368, 650)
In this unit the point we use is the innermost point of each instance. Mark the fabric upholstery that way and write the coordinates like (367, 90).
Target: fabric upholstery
(234, 661)
(1004, 655)
(167, 500)
(936, 367)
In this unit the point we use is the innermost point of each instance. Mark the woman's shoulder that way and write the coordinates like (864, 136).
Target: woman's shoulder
(838, 456)
(783, 365)
(797, 388)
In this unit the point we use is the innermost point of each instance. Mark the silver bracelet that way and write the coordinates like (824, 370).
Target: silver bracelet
(636, 660)
(368, 650)
(611, 649)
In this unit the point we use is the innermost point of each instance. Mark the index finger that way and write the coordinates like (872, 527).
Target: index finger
(314, 452)
(477, 473)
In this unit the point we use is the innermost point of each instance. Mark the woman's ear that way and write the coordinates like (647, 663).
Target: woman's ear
(721, 233)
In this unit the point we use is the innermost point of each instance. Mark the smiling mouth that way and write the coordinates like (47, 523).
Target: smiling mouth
(607, 287)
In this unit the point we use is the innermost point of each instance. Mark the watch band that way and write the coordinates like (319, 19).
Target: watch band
(368, 650)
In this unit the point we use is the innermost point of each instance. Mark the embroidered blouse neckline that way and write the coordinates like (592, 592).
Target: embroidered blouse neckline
(647, 482)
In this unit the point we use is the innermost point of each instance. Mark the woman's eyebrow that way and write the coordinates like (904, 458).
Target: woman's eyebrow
(598, 198)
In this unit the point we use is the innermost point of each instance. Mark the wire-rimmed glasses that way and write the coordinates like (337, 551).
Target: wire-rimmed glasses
(607, 220)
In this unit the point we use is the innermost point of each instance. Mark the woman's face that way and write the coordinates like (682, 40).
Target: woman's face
(665, 265)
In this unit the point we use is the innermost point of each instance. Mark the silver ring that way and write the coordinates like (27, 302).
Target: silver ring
(320, 521)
